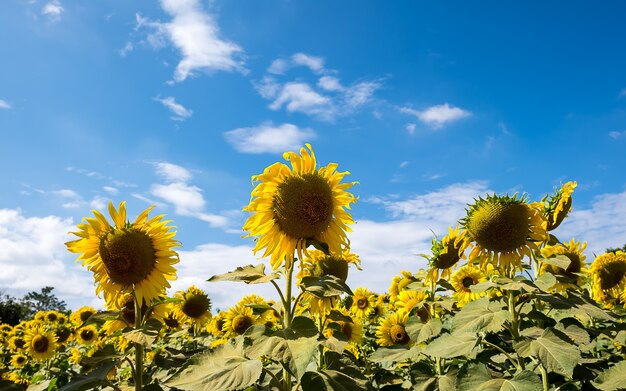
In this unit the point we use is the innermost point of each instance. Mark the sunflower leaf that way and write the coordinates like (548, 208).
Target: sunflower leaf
(325, 286)
(612, 378)
(480, 315)
(248, 274)
(555, 352)
(453, 345)
(558, 260)
(478, 377)
(395, 354)
(95, 378)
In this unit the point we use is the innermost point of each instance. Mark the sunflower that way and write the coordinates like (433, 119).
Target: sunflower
(63, 333)
(19, 378)
(398, 283)
(608, 272)
(363, 303)
(446, 254)
(503, 230)
(75, 356)
(82, 315)
(194, 306)
(216, 324)
(558, 205)
(40, 344)
(391, 330)
(574, 252)
(350, 329)
(409, 299)
(87, 335)
(18, 360)
(291, 205)
(127, 257)
(463, 280)
(319, 264)
(16, 343)
(237, 320)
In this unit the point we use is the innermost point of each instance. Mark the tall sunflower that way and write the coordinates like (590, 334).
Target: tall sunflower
(503, 230)
(391, 330)
(557, 206)
(574, 252)
(446, 254)
(127, 257)
(608, 272)
(41, 345)
(87, 335)
(237, 320)
(81, 315)
(194, 306)
(291, 205)
(463, 280)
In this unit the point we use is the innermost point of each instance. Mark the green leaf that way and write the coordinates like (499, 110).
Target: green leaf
(422, 332)
(325, 286)
(480, 315)
(555, 352)
(545, 281)
(323, 247)
(453, 345)
(95, 378)
(395, 354)
(478, 377)
(43, 386)
(248, 274)
(482, 286)
(330, 380)
(613, 378)
(6, 385)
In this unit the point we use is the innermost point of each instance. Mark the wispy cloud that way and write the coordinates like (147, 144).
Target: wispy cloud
(129, 47)
(180, 112)
(5, 105)
(172, 172)
(53, 10)
(297, 96)
(622, 92)
(195, 33)
(437, 116)
(269, 138)
(410, 128)
(315, 64)
(615, 134)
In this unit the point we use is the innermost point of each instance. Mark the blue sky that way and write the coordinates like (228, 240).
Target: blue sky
(178, 103)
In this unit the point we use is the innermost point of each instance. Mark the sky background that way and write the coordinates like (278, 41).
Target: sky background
(179, 102)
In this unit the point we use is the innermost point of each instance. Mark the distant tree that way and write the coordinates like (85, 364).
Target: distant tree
(12, 310)
(43, 301)
(612, 250)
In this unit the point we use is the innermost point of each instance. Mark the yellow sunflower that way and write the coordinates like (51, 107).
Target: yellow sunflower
(398, 283)
(194, 307)
(79, 317)
(214, 327)
(87, 335)
(503, 230)
(572, 250)
(446, 254)
(127, 257)
(558, 205)
(363, 303)
(291, 205)
(608, 272)
(237, 320)
(19, 378)
(63, 333)
(391, 330)
(409, 299)
(40, 344)
(171, 318)
(17, 343)
(463, 280)
(18, 360)
(75, 356)
(351, 330)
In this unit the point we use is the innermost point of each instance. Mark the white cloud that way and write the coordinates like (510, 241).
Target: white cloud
(330, 83)
(268, 138)
(180, 112)
(297, 96)
(404, 164)
(99, 202)
(437, 116)
(172, 172)
(196, 35)
(5, 105)
(410, 128)
(315, 64)
(71, 198)
(129, 47)
(111, 190)
(278, 66)
(616, 134)
(34, 256)
(53, 10)
(360, 93)
(268, 87)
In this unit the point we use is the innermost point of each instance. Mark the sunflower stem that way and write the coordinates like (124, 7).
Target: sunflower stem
(138, 348)
(515, 325)
(544, 377)
(288, 317)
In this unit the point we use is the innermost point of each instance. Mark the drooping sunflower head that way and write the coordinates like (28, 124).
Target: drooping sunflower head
(446, 253)
(463, 280)
(574, 252)
(349, 329)
(291, 205)
(608, 272)
(557, 206)
(87, 335)
(194, 307)
(127, 257)
(82, 315)
(503, 229)
(40, 344)
(237, 320)
(318, 264)
(391, 330)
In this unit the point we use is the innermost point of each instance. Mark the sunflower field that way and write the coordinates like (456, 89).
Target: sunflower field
(503, 305)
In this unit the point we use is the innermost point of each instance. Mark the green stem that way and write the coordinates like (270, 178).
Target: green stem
(138, 349)
(544, 377)
(288, 318)
(503, 352)
(515, 325)
(280, 293)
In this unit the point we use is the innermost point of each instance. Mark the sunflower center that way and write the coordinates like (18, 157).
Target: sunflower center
(612, 274)
(467, 281)
(398, 335)
(63, 334)
(19, 343)
(171, 321)
(196, 306)
(362, 303)
(85, 315)
(40, 344)
(87, 334)
(20, 360)
(333, 267)
(241, 323)
(499, 227)
(52, 317)
(346, 329)
(303, 206)
(128, 255)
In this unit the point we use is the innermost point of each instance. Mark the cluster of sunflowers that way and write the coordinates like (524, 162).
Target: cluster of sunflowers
(503, 303)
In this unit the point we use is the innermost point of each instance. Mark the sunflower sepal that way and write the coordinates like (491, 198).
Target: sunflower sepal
(249, 274)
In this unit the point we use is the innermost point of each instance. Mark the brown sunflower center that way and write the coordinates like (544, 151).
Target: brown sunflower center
(87, 334)
(62, 334)
(171, 321)
(128, 255)
(196, 306)
(346, 329)
(85, 315)
(398, 335)
(612, 274)
(241, 323)
(333, 267)
(52, 317)
(19, 343)
(467, 281)
(20, 360)
(499, 227)
(40, 343)
(449, 259)
(362, 303)
(303, 206)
